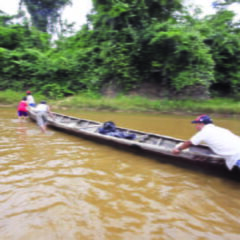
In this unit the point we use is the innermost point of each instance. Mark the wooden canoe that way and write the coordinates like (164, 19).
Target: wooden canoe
(159, 146)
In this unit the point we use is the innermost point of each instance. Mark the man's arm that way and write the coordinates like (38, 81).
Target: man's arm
(183, 146)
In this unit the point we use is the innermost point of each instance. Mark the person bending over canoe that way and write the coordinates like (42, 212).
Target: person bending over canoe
(42, 110)
(221, 141)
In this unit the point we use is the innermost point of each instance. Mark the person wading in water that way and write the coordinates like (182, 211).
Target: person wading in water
(42, 110)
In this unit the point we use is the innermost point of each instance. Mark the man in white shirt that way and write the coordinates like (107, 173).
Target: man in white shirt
(222, 141)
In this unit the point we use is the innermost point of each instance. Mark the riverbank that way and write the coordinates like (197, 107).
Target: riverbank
(96, 102)
(222, 106)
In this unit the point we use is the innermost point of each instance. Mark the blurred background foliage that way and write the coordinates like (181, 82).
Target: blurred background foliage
(124, 44)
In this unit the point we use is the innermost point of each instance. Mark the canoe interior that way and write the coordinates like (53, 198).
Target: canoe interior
(141, 137)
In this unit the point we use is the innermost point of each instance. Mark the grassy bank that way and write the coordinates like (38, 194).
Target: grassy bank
(10, 97)
(141, 104)
(132, 103)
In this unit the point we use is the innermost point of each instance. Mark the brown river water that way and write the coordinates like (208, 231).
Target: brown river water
(56, 186)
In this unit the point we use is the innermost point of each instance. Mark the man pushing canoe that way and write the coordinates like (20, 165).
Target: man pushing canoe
(222, 141)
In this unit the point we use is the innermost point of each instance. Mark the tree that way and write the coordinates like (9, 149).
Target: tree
(135, 13)
(221, 4)
(222, 36)
(45, 13)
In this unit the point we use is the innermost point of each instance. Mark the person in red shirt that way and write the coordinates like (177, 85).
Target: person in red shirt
(22, 109)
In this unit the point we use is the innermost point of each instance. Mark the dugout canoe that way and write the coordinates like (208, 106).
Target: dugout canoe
(150, 144)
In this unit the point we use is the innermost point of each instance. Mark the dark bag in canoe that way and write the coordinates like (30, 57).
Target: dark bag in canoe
(109, 128)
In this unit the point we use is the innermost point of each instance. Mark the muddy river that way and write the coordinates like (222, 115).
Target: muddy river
(55, 186)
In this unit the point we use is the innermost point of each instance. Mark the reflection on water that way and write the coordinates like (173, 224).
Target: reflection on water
(57, 186)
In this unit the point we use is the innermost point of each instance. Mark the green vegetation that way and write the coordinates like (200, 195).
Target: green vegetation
(125, 44)
(92, 101)
(10, 97)
(141, 104)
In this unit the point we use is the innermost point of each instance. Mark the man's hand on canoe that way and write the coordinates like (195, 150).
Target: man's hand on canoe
(179, 147)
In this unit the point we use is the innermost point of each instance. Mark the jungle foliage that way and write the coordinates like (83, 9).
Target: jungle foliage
(124, 44)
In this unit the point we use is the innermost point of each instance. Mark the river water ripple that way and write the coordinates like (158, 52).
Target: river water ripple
(57, 186)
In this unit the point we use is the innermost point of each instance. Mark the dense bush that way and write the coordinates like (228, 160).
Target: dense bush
(125, 44)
